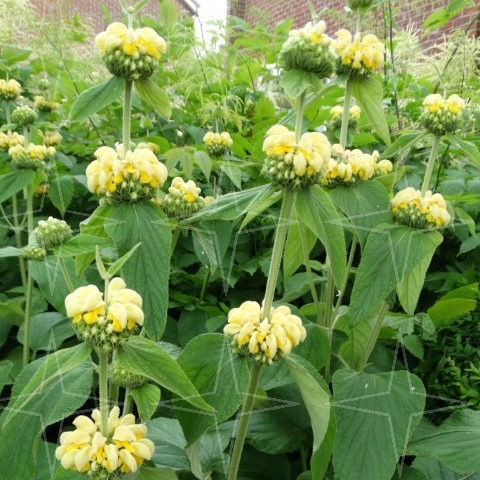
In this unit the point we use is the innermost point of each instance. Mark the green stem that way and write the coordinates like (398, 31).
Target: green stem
(114, 387)
(26, 136)
(206, 278)
(277, 252)
(29, 192)
(345, 113)
(243, 423)
(127, 404)
(26, 323)
(103, 386)
(330, 293)
(313, 290)
(347, 274)
(127, 118)
(66, 275)
(373, 337)
(300, 109)
(430, 164)
(175, 237)
(7, 112)
(18, 239)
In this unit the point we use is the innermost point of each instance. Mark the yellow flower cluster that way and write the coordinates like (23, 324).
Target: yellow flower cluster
(309, 48)
(129, 177)
(428, 211)
(32, 156)
(357, 54)
(265, 339)
(349, 166)
(122, 450)
(218, 144)
(353, 112)
(105, 325)
(442, 115)
(52, 138)
(151, 146)
(9, 89)
(130, 53)
(41, 104)
(295, 165)
(183, 199)
(10, 139)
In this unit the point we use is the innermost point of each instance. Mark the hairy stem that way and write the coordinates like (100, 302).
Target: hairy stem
(300, 110)
(127, 403)
(66, 275)
(26, 323)
(127, 115)
(103, 386)
(18, 239)
(243, 423)
(345, 113)
(431, 163)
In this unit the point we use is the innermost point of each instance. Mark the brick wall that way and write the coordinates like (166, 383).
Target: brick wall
(91, 12)
(407, 14)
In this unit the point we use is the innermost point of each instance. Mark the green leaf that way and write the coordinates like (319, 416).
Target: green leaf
(230, 206)
(314, 393)
(150, 473)
(154, 96)
(414, 345)
(47, 331)
(204, 163)
(118, 264)
(80, 244)
(6, 252)
(315, 210)
(456, 442)
(368, 92)
(144, 223)
(146, 398)
(11, 312)
(262, 203)
(61, 193)
(436, 19)
(410, 287)
(468, 148)
(94, 99)
(295, 82)
(391, 252)
(13, 182)
(144, 357)
(435, 470)
(168, 16)
(208, 362)
(404, 142)
(446, 310)
(376, 415)
(365, 204)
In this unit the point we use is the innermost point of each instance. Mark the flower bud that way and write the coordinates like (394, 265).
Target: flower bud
(359, 4)
(183, 199)
(52, 139)
(41, 104)
(34, 253)
(126, 378)
(441, 115)
(9, 90)
(218, 144)
(24, 116)
(52, 233)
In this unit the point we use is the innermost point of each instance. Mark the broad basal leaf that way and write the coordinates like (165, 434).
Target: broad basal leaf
(13, 182)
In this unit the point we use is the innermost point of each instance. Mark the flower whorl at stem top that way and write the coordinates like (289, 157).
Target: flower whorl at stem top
(41, 104)
(52, 233)
(130, 53)
(52, 139)
(9, 89)
(358, 55)
(123, 450)
(349, 166)
(24, 116)
(264, 339)
(442, 115)
(33, 156)
(336, 113)
(183, 199)
(105, 326)
(218, 144)
(428, 211)
(122, 178)
(293, 165)
(309, 49)
(10, 139)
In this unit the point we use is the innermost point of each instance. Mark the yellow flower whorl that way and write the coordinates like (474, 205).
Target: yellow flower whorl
(293, 165)
(32, 157)
(183, 199)
(218, 144)
(349, 166)
(409, 207)
(105, 325)
(264, 339)
(120, 178)
(358, 55)
(86, 450)
(41, 104)
(9, 90)
(10, 139)
(336, 113)
(442, 115)
(130, 53)
(52, 138)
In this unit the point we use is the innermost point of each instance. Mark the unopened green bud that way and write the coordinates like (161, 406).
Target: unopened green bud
(24, 116)
(52, 232)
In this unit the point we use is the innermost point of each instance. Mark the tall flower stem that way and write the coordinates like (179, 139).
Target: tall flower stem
(18, 239)
(66, 275)
(127, 404)
(103, 387)
(243, 423)
(373, 337)
(29, 286)
(430, 164)
(345, 113)
(300, 110)
(127, 119)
